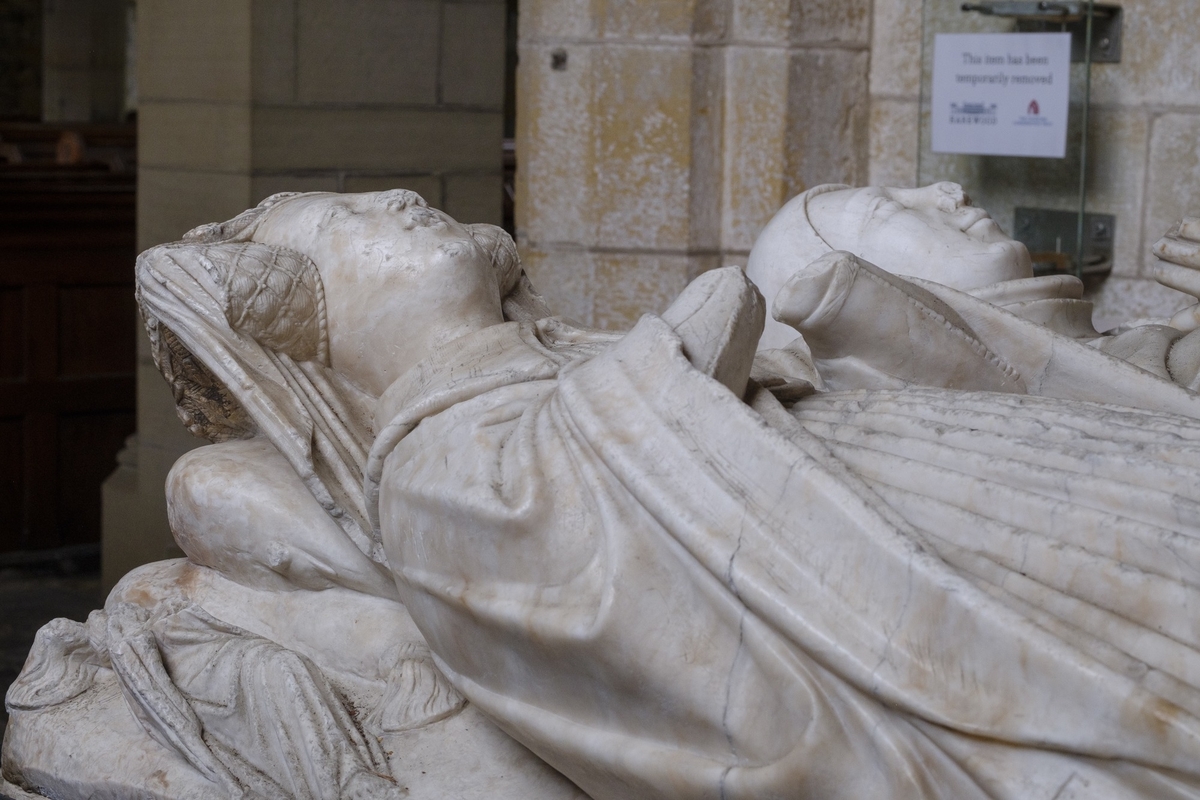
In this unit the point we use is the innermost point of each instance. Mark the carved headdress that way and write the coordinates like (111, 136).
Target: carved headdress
(789, 240)
(239, 330)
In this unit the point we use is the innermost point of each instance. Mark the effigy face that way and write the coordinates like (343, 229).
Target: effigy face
(932, 233)
(912, 231)
(929, 535)
(406, 262)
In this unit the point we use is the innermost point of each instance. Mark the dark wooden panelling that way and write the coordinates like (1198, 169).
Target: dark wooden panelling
(96, 330)
(12, 333)
(12, 488)
(86, 444)
(109, 393)
(67, 347)
(41, 331)
(41, 515)
(47, 221)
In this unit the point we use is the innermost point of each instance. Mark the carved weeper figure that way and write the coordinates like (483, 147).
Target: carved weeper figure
(663, 579)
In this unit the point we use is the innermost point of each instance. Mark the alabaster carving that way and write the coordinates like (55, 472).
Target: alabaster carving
(872, 277)
(930, 535)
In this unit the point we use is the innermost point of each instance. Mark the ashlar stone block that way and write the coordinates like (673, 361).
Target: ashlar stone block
(474, 198)
(273, 56)
(125, 544)
(830, 21)
(828, 114)
(194, 136)
(756, 96)
(542, 20)
(1123, 299)
(896, 49)
(708, 147)
(643, 141)
(1173, 180)
(556, 179)
(894, 142)
(629, 285)
(637, 19)
(1158, 56)
(194, 51)
(369, 51)
(711, 21)
(385, 139)
(172, 201)
(472, 57)
(759, 21)
(565, 278)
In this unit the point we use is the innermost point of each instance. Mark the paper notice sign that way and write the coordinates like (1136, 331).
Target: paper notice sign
(1001, 94)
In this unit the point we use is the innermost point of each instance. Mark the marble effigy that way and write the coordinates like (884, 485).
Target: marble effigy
(883, 516)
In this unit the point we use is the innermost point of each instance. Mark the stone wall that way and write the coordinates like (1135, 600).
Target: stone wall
(1147, 132)
(670, 132)
(654, 140)
(243, 98)
(895, 89)
(1144, 138)
(240, 99)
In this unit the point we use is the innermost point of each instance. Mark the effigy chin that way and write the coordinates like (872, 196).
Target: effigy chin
(882, 516)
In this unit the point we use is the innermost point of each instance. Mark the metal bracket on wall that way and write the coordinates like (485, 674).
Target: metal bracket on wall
(1050, 238)
(1044, 16)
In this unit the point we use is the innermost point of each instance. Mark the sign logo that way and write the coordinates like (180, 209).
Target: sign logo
(972, 113)
(996, 94)
(1033, 116)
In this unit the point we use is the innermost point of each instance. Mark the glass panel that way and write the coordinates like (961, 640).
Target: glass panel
(1010, 187)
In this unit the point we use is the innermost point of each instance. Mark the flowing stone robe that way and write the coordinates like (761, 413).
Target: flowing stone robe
(663, 590)
(238, 330)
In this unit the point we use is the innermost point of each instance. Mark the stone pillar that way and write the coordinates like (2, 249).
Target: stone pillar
(895, 85)
(239, 99)
(655, 140)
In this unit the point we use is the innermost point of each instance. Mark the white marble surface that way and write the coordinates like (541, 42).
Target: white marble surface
(932, 233)
(933, 537)
(284, 593)
(888, 272)
(91, 745)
